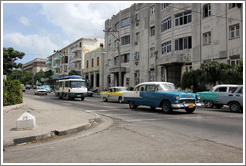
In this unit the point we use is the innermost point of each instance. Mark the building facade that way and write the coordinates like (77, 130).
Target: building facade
(93, 70)
(71, 57)
(35, 66)
(160, 41)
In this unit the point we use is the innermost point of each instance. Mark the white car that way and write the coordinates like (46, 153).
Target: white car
(40, 91)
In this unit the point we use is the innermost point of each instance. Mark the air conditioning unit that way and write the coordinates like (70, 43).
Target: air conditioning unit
(136, 56)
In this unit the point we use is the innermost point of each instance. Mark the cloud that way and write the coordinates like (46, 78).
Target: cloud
(40, 46)
(81, 19)
(24, 21)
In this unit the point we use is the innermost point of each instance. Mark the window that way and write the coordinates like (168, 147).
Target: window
(183, 18)
(164, 5)
(126, 58)
(163, 74)
(92, 62)
(152, 52)
(234, 62)
(221, 89)
(166, 24)
(207, 38)
(150, 88)
(152, 75)
(87, 64)
(137, 75)
(232, 5)
(116, 60)
(207, 10)
(97, 61)
(125, 40)
(117, 26)
(183, 43)
(234, 31)
(137, 19)
(126, 22)
(152, 10)
(166, 47)
(152, 31)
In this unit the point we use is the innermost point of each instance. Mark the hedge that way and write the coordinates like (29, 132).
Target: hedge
(12, 92)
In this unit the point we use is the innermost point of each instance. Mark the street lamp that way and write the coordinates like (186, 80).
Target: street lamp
(118, 39)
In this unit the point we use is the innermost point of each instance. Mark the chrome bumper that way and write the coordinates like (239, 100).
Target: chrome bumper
(185, 105)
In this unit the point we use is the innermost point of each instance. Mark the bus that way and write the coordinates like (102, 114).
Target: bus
(71, 87)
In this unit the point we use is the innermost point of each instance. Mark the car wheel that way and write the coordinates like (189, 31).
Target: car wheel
(235, 107)
(190, 110)
(219, 106)
(166, 107)
(120, 99)
(208, 104)
(132, 105)
(105, 99)
(82, 98)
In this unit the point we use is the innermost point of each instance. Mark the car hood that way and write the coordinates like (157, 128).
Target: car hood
(183, 94)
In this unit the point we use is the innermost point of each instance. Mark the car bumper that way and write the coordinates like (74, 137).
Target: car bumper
(186, 105)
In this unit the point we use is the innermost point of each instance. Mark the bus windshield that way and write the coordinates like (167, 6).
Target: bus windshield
(78, 84)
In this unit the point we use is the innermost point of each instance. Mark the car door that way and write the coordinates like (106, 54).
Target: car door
(238, 95)
(149, 95)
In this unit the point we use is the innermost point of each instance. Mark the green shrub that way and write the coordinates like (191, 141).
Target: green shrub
(12, 92)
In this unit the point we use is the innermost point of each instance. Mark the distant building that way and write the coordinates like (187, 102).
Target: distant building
(93, 70)
(160, 41)
(71, 57)
(34, 66)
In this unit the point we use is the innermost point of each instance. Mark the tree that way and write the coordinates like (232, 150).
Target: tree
(23, 76)
(9, 57)
(73, 72)
(38, 76)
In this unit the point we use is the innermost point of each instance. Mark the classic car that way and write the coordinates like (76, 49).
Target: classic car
(40, 91)
(234, 99)
(209, 98)
(113, 93)
(161, 94)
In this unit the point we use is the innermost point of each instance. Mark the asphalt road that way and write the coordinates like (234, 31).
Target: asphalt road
(140, 136)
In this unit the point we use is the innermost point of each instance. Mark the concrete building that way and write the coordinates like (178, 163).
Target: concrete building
(160, 41)
(71, 57)
(93, 70)
(35, 66)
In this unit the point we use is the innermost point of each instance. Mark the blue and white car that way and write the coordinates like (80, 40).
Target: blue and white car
(161, 94)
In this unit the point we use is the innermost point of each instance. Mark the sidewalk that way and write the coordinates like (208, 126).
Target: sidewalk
(49, 124)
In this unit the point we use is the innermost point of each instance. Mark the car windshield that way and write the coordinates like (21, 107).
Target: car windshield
(120, 89)
(78, 84)
(166, 87)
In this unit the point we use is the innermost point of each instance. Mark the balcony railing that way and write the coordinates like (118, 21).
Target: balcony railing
(76, 59)
(48, 62)
(57, 57)
(56, 66)
(48, 69)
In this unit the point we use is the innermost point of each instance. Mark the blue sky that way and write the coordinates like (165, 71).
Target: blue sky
(37, 29)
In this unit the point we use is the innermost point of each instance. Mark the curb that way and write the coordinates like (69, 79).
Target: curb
(53, 134)
(11, 107)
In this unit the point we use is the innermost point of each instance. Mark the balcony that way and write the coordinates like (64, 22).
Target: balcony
(56, 58)
(48, 69)
(56, 66)
(48, 62)
(76, 48)
(76, 59)
(182, 57)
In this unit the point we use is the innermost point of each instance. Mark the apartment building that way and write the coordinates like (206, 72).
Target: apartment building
(71, 57)
(93, 70)
(160, 41)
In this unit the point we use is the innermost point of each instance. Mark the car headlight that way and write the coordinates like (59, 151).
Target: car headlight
(177, 97)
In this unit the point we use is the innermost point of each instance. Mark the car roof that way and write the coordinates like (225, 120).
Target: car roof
(225, 85)
(118, 87)
(149, 83)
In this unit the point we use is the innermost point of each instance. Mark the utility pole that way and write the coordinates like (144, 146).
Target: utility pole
(118, 39)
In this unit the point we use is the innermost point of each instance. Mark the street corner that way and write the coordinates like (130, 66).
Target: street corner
(13, 107)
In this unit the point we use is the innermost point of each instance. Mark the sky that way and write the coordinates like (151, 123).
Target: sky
(37, 29)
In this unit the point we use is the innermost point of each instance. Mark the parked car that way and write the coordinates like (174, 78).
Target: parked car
(23, 87)
(47, 87)
(209, 98)
(40, 91)
(34, 86)
(90, 93)
(161, 94)
(234, 99)
(28, 86)
(113, 93)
